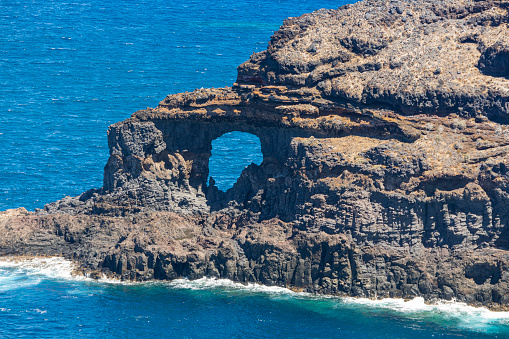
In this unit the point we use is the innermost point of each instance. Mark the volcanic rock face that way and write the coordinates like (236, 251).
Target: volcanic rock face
(385, 165)
(434, 57)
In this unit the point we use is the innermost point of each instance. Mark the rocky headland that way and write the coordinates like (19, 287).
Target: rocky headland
(385, 173)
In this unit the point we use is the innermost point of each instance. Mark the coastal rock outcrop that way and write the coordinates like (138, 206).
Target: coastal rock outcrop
(385, 170)
(433, 57)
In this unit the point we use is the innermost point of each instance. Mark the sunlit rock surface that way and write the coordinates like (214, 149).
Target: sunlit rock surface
(384, 174)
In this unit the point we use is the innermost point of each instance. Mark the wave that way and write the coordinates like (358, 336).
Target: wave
(50, 267)
(478, 318)
(419, 305)
(447, 313)
(19, 272)
(229, 285)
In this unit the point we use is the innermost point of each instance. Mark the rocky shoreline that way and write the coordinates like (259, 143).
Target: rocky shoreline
(385, 147)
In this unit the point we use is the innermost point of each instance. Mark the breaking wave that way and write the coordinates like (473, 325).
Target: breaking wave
(451, 313)
(23, 272)
(16, 273)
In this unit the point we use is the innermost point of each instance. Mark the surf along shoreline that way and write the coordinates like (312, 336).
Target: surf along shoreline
(61, 268)
(384, 170)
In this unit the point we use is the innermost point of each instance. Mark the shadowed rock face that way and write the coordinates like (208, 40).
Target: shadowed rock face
(384, 173)
(495, 60)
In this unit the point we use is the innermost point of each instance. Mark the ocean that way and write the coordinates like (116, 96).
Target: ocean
(70, 69)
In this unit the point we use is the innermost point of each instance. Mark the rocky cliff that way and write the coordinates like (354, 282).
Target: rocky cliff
(385, 165)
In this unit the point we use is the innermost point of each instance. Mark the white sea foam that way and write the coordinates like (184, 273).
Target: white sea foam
(476, 318)
(228, 285)
(59, 268)
(444, 312)
(399, 305)
(418, 305)
(460, 314)
(51, 267)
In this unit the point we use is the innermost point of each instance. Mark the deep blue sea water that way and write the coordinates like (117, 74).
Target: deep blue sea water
(70, 69)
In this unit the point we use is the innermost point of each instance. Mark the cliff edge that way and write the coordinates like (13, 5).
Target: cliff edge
(385, 167)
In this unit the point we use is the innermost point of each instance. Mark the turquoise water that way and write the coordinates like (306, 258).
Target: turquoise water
(70, 69)
(39, 298)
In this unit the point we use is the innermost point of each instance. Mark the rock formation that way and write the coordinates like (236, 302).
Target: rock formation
(385, 168)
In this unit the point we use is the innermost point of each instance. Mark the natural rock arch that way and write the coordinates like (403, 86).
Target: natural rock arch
(168, 168)
(231, 154)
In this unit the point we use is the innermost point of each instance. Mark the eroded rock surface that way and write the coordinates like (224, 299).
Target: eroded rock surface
(434, 57)
(385, 165)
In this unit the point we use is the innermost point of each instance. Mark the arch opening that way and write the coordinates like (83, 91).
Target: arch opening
(231, 154)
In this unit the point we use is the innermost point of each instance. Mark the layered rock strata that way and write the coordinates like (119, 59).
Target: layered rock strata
(384, 174)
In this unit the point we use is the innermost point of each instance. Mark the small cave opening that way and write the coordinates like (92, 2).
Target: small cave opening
(231, 154)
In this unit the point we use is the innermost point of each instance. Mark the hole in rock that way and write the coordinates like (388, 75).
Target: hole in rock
(231, 153)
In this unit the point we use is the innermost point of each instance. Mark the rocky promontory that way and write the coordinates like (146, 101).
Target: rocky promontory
(385, 172)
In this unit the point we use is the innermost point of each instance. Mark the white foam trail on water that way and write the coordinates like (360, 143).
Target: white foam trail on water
(464, 316)
(445, 312)
(418, 305)
(476, 318)
(51, 267)
(214, 283)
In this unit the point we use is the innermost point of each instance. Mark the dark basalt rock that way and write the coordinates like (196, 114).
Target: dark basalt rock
(495, 60)
(384, 173)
